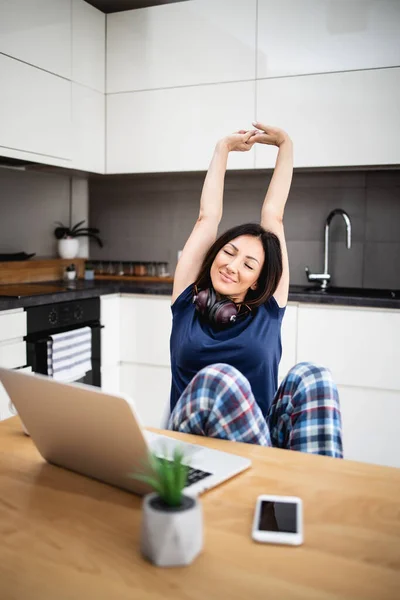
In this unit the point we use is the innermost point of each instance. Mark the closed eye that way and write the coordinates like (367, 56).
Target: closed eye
(249, 267)
(230, 253)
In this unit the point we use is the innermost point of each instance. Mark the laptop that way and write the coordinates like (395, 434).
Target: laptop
(84, 429)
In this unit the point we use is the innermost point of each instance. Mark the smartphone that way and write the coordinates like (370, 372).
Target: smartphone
(278, 520)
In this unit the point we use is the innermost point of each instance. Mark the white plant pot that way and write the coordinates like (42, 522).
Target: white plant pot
(174, 537)
(68, 247)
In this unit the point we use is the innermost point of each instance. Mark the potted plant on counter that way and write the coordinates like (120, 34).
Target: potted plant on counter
(172, 523)
(68, 244)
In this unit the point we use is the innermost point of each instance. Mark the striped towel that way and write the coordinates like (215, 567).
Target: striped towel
(69, 354)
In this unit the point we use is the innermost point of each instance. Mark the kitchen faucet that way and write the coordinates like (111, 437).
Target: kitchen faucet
(325, 276)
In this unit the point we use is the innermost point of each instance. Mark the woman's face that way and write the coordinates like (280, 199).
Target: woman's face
(237, 266)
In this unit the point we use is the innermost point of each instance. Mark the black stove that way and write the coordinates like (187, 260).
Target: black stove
(22, 290)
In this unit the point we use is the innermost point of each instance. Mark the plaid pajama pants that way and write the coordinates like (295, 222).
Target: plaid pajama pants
(304, 415)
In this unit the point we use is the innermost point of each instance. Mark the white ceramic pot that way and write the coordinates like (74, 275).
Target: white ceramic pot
(171, 537)
(68, 247)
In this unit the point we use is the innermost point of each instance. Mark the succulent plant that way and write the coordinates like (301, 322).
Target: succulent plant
(168, 477)
(77, 230)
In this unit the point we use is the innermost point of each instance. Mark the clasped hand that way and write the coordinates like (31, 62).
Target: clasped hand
(243, 141)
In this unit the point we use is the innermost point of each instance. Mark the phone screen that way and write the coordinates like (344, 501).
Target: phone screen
(278, 516)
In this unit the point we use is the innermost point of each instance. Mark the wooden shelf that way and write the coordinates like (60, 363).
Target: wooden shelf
(38, 269)
(144, 278)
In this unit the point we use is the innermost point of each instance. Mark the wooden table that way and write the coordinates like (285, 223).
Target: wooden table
(66, 537)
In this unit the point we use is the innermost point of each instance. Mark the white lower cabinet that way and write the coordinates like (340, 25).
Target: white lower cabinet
(146, 323)
(370, 425)
(149, 388)
(12, 352)
(360, 347)
(289, 339)
(5, 404)
(7, 409)
(135, 352)
(110, 317)
(110, 379)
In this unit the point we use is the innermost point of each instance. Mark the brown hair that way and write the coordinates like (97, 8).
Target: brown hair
(271, 271)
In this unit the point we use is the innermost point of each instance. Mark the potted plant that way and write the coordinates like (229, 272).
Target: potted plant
(68, 244)
(89, 271)
(172, 523)
(70, 272)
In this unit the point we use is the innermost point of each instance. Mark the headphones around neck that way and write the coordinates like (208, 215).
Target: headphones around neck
(219, 313)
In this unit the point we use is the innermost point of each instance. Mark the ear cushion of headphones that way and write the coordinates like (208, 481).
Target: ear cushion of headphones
(218, 313)
(222, 312)
(201, 301)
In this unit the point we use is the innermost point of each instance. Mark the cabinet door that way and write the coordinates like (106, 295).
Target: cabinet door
(336, 119)
(145, 329)
(88, 120)
(12, 324)
(176, 129)
(110, 315)
(370, 420)
(35, 111)
(182, 43)
(360, 346)
(149, 388)
(6, 408)
(289, 340)
(110, 379)
(38, 33)
(320, 36)
(88, 45)
(13, 355)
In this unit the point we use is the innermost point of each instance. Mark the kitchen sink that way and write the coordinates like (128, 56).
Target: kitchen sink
(345, 292)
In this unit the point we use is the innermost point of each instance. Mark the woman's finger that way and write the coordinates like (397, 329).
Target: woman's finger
(265, 128)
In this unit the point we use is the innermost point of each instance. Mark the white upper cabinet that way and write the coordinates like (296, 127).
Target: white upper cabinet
(335, 119)
(88, 45)
(319, 36)
(183, 43)
(38, 33)
(176, 129)
(35, 112)
(88, 129)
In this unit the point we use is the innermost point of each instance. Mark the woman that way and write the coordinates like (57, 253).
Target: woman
(228, 301)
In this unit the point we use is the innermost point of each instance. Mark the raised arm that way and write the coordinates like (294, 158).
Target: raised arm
(275, 199)
(205, 229)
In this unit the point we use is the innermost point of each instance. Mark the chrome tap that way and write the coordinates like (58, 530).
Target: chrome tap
(325, 276)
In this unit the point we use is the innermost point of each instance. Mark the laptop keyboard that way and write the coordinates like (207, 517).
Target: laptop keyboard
(164, 446)
(194, 475)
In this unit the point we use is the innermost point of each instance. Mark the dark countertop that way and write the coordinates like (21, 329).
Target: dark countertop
(89, 289)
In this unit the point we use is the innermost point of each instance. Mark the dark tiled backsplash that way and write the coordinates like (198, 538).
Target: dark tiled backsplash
(149, 217)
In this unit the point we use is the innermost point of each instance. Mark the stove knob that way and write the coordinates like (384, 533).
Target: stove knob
(78, 313)
(53, 317)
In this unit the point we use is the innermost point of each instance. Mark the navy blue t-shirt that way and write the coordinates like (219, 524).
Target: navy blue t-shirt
(252, 345)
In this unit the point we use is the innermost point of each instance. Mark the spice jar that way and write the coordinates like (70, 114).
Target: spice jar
(140, 269)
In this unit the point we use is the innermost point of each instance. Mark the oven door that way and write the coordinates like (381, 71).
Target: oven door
(36, 347)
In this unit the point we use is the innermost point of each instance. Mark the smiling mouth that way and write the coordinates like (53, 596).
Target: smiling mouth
(226, 278)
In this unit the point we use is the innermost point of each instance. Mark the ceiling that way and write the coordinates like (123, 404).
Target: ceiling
(111, 6)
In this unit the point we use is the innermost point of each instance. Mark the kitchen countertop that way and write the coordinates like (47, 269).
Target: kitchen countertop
(89, 289)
